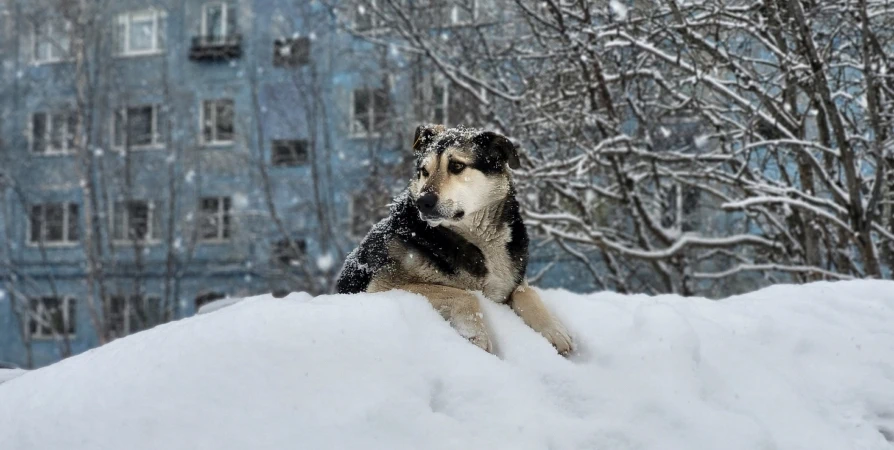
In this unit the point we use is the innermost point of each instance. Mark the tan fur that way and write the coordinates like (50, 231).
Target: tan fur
(481, 199)
(469, 191)
(528, 305)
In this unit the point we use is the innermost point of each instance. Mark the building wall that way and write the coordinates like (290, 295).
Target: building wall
(311, 102)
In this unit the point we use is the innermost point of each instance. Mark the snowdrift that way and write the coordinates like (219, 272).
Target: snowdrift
(806, 367)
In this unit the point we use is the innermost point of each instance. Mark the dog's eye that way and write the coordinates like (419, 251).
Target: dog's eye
(456, 167)
(423, 171)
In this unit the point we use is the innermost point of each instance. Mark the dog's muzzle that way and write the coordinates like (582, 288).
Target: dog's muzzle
(427, 206)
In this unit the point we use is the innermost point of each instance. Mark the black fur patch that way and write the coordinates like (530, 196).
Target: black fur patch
(444, 248)
(449, 252)
(518, 246)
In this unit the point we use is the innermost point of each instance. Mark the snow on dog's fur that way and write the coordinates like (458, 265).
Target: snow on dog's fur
(455, 229)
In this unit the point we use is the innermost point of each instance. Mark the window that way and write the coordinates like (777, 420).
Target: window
(291, 52)
(215, 221)
(464, 11)
(289, 153)
(217, 121)
(369, 112)
(135, 220)
(439, 99)
(53, 133)
(286, 254)
(218, 22)
(52, 316)
(140, 33)
(52, 42)
(137, 126)
(130, 314)
(54, 223)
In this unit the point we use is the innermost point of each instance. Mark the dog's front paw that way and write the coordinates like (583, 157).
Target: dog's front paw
(473, 329)
(557, 335)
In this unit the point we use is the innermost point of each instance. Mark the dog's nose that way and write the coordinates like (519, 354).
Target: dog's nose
(426, 203)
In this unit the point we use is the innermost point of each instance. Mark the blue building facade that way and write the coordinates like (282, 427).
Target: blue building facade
(232, 148)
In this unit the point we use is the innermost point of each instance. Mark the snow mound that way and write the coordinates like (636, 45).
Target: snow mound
(789, 367)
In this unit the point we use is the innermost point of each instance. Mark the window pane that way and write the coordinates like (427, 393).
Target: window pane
(361, 111)
(158, 124)
(56, 314)
(225, 120)
(74, 223)
(138, 220)
(35, 311)
(70, 130)
(119, 120)
(141, 33)
(61, 42)
(117, 307)
(119, 222)
(213, 21)
(71, 317)
(232, 20)
(36, 223)
(55, 224)
(225, 225)
(208, 227)
(208, 121)
(155, 217)
(39, 132)
(209, 205)
(57, 131)
(139, 125)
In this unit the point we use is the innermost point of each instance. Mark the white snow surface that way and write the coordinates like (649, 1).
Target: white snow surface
(788, 367)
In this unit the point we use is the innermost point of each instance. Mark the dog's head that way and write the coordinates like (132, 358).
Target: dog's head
(459, 171)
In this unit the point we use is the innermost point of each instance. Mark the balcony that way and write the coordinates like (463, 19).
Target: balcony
(216, 48)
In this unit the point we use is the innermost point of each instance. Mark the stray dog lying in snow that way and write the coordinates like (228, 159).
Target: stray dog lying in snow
(454, 230)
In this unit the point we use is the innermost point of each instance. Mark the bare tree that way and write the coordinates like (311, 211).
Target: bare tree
(691, 147)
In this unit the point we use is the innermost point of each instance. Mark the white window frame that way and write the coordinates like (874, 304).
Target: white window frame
(157, 141)
(39, 316)
(215, 141)
(353, 131)
(225, 33)
(53, 32)
(48, 133)
(152, 235)
(219, 214)
(66, 221)
(127, 20)
(455, 12)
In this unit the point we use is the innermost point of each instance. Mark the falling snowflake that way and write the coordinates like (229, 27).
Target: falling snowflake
(618, 9)
(325, 262)
(701, 141)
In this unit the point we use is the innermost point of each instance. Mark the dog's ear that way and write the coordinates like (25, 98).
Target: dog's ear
(425, 135)
(498, 146)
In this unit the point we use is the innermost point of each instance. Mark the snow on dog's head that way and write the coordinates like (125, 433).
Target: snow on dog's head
(459, 171)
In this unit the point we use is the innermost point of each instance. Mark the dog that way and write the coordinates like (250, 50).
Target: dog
(456, 229)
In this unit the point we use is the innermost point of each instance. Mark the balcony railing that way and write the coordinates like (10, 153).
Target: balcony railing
(216, 48)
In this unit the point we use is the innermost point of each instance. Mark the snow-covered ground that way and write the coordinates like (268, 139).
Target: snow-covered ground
(809, 367)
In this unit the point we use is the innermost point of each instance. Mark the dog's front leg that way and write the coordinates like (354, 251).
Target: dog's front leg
(459, 307)
(527, 304)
